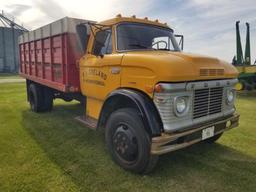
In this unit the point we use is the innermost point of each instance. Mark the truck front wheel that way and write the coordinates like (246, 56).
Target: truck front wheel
(128, 142)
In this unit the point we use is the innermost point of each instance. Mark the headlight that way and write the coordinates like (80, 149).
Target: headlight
(230, 96)
(180, 105)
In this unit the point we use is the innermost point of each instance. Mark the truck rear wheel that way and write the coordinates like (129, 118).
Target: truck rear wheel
(48, 99)
(40, 98)
(35, 98)
(128, 142)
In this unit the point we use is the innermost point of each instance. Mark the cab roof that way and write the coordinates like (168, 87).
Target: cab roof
(119, 19)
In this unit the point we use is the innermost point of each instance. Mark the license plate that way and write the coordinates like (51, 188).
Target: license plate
(207, 133)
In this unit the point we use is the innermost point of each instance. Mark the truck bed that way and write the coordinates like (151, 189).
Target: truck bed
(49, 55)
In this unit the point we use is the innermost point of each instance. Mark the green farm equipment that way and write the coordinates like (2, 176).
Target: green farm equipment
(247, 70)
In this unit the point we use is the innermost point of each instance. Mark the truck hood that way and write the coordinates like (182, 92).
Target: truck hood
(167, 66)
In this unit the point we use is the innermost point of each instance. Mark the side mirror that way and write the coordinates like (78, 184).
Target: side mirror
(82, 34)
(181, 41)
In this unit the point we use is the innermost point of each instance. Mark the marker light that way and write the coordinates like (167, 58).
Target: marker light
(158, 88)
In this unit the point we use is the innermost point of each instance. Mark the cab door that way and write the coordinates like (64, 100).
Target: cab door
(100, 72)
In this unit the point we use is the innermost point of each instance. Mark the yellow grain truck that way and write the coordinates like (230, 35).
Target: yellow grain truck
(135, 83)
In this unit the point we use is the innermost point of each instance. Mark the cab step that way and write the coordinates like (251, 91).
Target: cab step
(87, 121)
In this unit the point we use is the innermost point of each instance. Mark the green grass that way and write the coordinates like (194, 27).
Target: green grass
(9, 76)
(53, 152)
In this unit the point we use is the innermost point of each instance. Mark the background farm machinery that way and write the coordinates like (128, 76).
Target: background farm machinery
(247, 70)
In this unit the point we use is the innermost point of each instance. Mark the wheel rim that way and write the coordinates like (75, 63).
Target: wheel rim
(125, 143)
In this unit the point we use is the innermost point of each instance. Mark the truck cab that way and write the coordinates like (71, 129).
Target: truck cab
(148, 96)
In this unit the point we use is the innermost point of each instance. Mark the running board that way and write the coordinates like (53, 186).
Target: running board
(87, 121)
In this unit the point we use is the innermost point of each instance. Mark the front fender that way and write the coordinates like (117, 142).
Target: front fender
(122, 98)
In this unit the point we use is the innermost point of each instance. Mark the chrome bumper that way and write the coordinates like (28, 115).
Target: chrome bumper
(175, 141)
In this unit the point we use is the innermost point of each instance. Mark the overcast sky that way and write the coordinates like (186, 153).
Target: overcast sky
(208, 25)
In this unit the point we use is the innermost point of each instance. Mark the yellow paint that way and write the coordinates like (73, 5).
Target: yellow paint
(246, 69)
(250, 69)
(140, 69)
(240, 69)
(93, 107)
(147, 68)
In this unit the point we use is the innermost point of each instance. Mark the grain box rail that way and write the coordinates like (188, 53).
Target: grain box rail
(49, 55)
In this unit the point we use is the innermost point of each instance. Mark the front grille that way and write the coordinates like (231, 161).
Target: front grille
(207, 102)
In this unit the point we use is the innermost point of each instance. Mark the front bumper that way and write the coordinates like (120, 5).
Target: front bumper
(175, 141)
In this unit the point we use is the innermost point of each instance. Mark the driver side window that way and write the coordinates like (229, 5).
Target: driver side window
(103, 42)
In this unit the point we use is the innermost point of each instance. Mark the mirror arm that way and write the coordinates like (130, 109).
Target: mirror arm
(181, 42)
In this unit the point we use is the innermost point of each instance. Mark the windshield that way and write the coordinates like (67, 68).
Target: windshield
(135, 36)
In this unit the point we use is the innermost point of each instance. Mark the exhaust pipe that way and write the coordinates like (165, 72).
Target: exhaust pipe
(239, 51)
(247, 55)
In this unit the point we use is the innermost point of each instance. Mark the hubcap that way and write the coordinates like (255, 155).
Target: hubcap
(125, 143)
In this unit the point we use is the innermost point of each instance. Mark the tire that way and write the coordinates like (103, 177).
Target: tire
(213, 139)
(35, 98)
(40, 98)
(128, 142)
(48, 99)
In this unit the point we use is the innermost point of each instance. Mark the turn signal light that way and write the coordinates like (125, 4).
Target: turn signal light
(158, 88)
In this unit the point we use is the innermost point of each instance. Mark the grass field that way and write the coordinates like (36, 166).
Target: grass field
(9, 76)
(53, 152)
